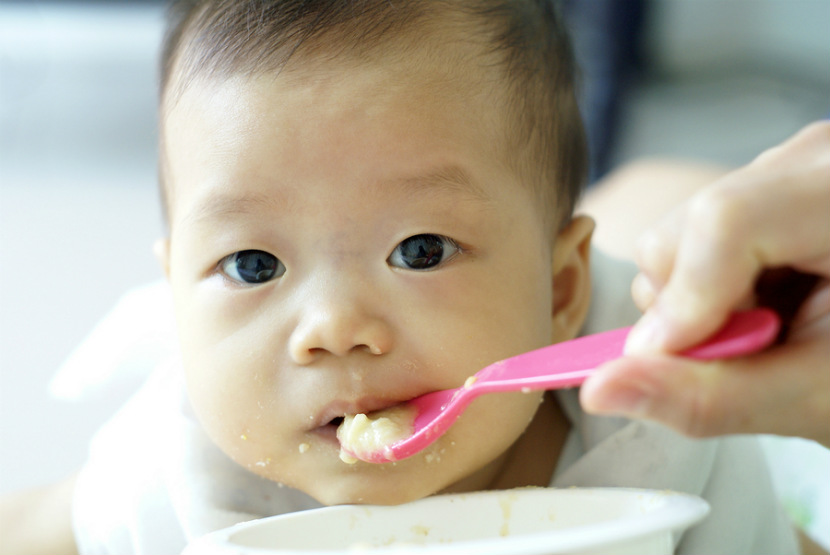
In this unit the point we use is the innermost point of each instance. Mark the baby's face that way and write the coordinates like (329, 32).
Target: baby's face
(342, 241)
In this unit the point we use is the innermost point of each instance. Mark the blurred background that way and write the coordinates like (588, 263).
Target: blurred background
(714, 80)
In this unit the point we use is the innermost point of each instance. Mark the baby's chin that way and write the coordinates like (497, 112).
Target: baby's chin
(377, 486)
(371, 496)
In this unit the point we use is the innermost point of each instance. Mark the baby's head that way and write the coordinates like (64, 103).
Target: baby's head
(367, 201)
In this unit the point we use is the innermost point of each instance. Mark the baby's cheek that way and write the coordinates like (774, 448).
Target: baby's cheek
(493, 423)
(222, 401)
(241, 411)
(218, 408)
(235, 423)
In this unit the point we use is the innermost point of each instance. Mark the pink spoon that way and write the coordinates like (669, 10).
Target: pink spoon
(563, 365)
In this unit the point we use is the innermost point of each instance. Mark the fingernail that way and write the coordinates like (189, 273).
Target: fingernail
(630, 401)
(647, 336)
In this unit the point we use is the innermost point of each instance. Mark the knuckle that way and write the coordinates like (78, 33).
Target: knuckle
(811, 139)
(643, 291)
(719, 214)
(654, 254)
(818, 131)
(704, 415)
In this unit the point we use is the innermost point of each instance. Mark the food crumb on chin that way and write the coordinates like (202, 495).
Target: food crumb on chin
(303, 447)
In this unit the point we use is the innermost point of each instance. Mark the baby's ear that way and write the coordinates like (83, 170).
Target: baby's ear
(571, 278)
(161, 248)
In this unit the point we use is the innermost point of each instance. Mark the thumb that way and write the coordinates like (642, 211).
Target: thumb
(780, 391)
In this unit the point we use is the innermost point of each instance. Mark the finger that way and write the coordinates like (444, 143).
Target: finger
(810, 144)
(769, 213)
(643, 292)
(656, 249)
(714, 267)
(766, 393)
(744, 224)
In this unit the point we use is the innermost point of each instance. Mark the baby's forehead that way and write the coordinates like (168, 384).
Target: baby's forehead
(419, 80)
(374, 86)
(404, 105)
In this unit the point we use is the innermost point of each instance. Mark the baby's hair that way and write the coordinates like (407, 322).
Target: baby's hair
(545, 139)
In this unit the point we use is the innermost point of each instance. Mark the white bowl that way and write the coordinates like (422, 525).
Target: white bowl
(527, 521)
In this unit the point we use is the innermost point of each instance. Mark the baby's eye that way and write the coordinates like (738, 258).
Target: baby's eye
(252, 266)
(423, 252)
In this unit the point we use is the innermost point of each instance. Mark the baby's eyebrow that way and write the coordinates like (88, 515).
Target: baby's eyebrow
(451, 179)
(219, 205)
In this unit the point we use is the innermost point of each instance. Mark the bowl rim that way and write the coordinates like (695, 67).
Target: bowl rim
(682, 511)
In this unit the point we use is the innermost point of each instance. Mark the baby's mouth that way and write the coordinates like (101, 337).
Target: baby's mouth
(333, 414)
(329, 429)
(332, 418)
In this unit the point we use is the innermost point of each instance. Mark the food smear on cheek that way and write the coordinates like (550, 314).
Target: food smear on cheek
(361, 434)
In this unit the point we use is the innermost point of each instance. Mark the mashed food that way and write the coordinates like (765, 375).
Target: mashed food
(360, 434)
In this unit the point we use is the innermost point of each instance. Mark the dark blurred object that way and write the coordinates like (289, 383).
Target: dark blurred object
(784, 290)
(608, 37)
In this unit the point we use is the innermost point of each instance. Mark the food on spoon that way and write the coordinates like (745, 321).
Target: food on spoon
(362, 434)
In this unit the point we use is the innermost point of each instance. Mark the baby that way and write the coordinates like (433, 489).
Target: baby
(368, 201)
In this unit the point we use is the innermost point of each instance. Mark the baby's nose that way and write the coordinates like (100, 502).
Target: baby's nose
(338, 326)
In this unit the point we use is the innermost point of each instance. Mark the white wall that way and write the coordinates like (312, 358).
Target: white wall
(78, 210)
(789, 36)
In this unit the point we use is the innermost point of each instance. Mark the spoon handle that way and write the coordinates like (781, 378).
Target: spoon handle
(567, 364)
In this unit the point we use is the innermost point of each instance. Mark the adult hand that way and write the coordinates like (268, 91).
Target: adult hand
(704, 261)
